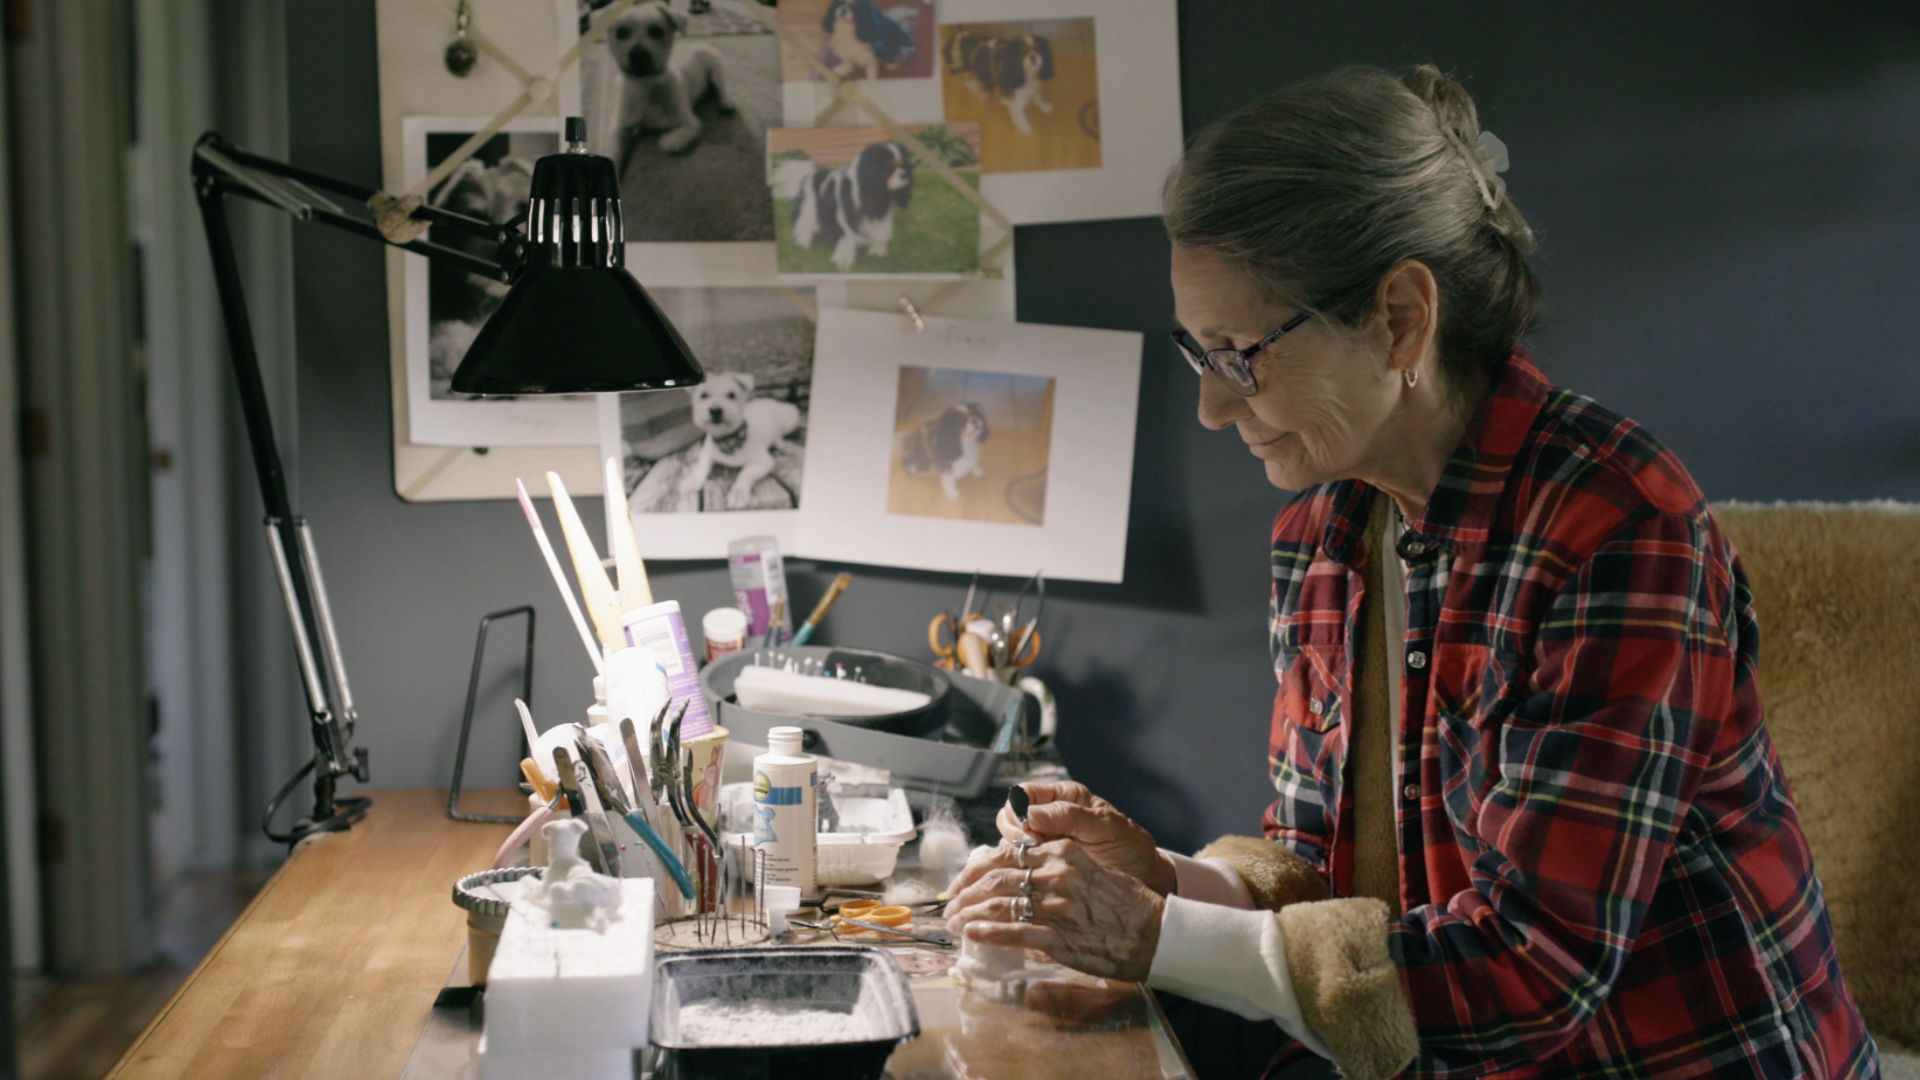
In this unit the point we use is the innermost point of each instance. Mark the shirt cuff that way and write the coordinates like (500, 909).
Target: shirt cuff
(1209, 881)
(1231, 959)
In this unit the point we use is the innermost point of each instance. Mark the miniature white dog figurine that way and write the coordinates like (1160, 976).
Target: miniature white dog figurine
(742, 431)
(662, 81)
(574, 894)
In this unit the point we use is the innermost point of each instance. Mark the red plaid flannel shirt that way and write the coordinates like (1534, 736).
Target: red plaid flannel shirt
(1601, 868)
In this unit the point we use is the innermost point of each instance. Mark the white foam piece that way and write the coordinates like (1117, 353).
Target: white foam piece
(547, 1064)
(572, 992)
(789, 693)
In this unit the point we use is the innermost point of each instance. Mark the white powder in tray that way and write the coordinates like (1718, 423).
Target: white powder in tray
(713, 1022)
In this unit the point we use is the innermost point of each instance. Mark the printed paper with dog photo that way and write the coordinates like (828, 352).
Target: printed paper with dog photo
(858, 39)
(446, 306)
(1104, 149)
(681, 102)
(1067, 399)
(1032, 86)
(851, 202)
(971, 445)
(726, 458)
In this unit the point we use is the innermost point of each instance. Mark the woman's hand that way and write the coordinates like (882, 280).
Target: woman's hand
(1069, 811)
(1085, 915)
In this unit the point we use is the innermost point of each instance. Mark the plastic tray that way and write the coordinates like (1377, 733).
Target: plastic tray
(847, 858)
(959, 760)
(858, 982)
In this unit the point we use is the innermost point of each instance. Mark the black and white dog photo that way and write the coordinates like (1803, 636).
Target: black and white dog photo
(861, 39)
(743, 431)
(493, 185)
(1010, 69)
(850, 208)
(662, 78)
(947, 446)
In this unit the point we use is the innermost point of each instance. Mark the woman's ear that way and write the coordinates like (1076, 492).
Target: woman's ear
(1409, 298)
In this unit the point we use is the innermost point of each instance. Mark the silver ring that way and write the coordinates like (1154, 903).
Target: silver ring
(1023, 908)
(1020, 849)
(1026, 883)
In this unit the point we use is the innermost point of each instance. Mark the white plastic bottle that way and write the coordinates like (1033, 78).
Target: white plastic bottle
(785, 789)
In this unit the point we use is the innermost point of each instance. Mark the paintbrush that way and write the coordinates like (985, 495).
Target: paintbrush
(601, 601)
(635, 592)
(559, 576)
(840, 583)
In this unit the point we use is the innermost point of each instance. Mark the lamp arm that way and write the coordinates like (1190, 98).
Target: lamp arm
(220, 170)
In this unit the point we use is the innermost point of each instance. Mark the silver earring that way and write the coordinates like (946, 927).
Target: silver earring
(1411, 376)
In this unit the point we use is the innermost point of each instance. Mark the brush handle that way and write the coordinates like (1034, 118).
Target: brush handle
(635, 591)
(602, 603)
(559, 577)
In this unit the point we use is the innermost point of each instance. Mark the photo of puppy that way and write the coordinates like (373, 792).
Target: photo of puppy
(851, 207)
(862, 40)
(743, 431)
(857, 39)
(493, 185)
(947, 446)
(680, 96)
(737, 441)
(664, 78)
(1033, 87)
(1012, 70)
(971, 445)
(850, 200)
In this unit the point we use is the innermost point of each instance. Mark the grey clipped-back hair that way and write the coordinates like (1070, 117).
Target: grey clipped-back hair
(1321, 188)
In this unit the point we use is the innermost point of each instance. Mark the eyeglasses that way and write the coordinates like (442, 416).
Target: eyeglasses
(1233, 365)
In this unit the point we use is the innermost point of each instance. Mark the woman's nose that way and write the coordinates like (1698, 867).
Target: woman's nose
(1219, 405)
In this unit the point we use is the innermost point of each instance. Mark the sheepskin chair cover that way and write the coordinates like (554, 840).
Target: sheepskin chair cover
(1837, 591)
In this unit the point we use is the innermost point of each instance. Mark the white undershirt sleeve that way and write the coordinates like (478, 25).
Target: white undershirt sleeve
(1210, 881)
(1231, 959)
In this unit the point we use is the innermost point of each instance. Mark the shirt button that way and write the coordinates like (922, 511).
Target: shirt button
(1411, 791)
(1416, 660)
(1315, 707)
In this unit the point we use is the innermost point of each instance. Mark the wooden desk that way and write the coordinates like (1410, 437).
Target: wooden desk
(333, 969)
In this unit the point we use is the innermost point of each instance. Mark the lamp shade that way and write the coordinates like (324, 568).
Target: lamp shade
(574, 321)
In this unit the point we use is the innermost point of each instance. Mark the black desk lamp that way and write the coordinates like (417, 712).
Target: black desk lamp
(573, 322)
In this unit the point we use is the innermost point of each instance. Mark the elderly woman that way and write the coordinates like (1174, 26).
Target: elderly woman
(1529, 817)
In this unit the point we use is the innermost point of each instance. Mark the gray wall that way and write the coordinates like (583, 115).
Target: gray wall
(1729, 204)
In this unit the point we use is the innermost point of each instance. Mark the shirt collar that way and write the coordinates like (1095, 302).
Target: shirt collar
(1461, 507)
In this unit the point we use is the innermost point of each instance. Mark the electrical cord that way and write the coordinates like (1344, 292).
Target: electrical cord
(347, 811)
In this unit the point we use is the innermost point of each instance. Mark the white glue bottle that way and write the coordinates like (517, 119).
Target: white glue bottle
(785, 787)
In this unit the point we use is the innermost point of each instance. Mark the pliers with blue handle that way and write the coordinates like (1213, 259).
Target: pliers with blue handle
(607, 782)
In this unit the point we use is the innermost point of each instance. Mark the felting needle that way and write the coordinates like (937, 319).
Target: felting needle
(602, 604)
(635, 592)
(559, 576)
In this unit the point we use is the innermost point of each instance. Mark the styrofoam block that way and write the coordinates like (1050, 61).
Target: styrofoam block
(547, 1064)
(571, 990)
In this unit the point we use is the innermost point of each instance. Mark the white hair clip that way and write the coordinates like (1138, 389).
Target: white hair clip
(1493, 151)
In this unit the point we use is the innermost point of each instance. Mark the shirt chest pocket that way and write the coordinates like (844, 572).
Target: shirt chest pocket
(1474, 691)
(1313, 685)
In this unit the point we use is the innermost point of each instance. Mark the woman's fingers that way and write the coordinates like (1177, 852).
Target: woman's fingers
(1087, 824)
(1041, 792)
(1014, 932)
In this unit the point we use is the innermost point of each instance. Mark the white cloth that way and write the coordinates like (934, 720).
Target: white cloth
(1231, 959)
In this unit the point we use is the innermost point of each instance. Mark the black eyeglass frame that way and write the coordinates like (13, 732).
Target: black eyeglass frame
(1235, 366)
